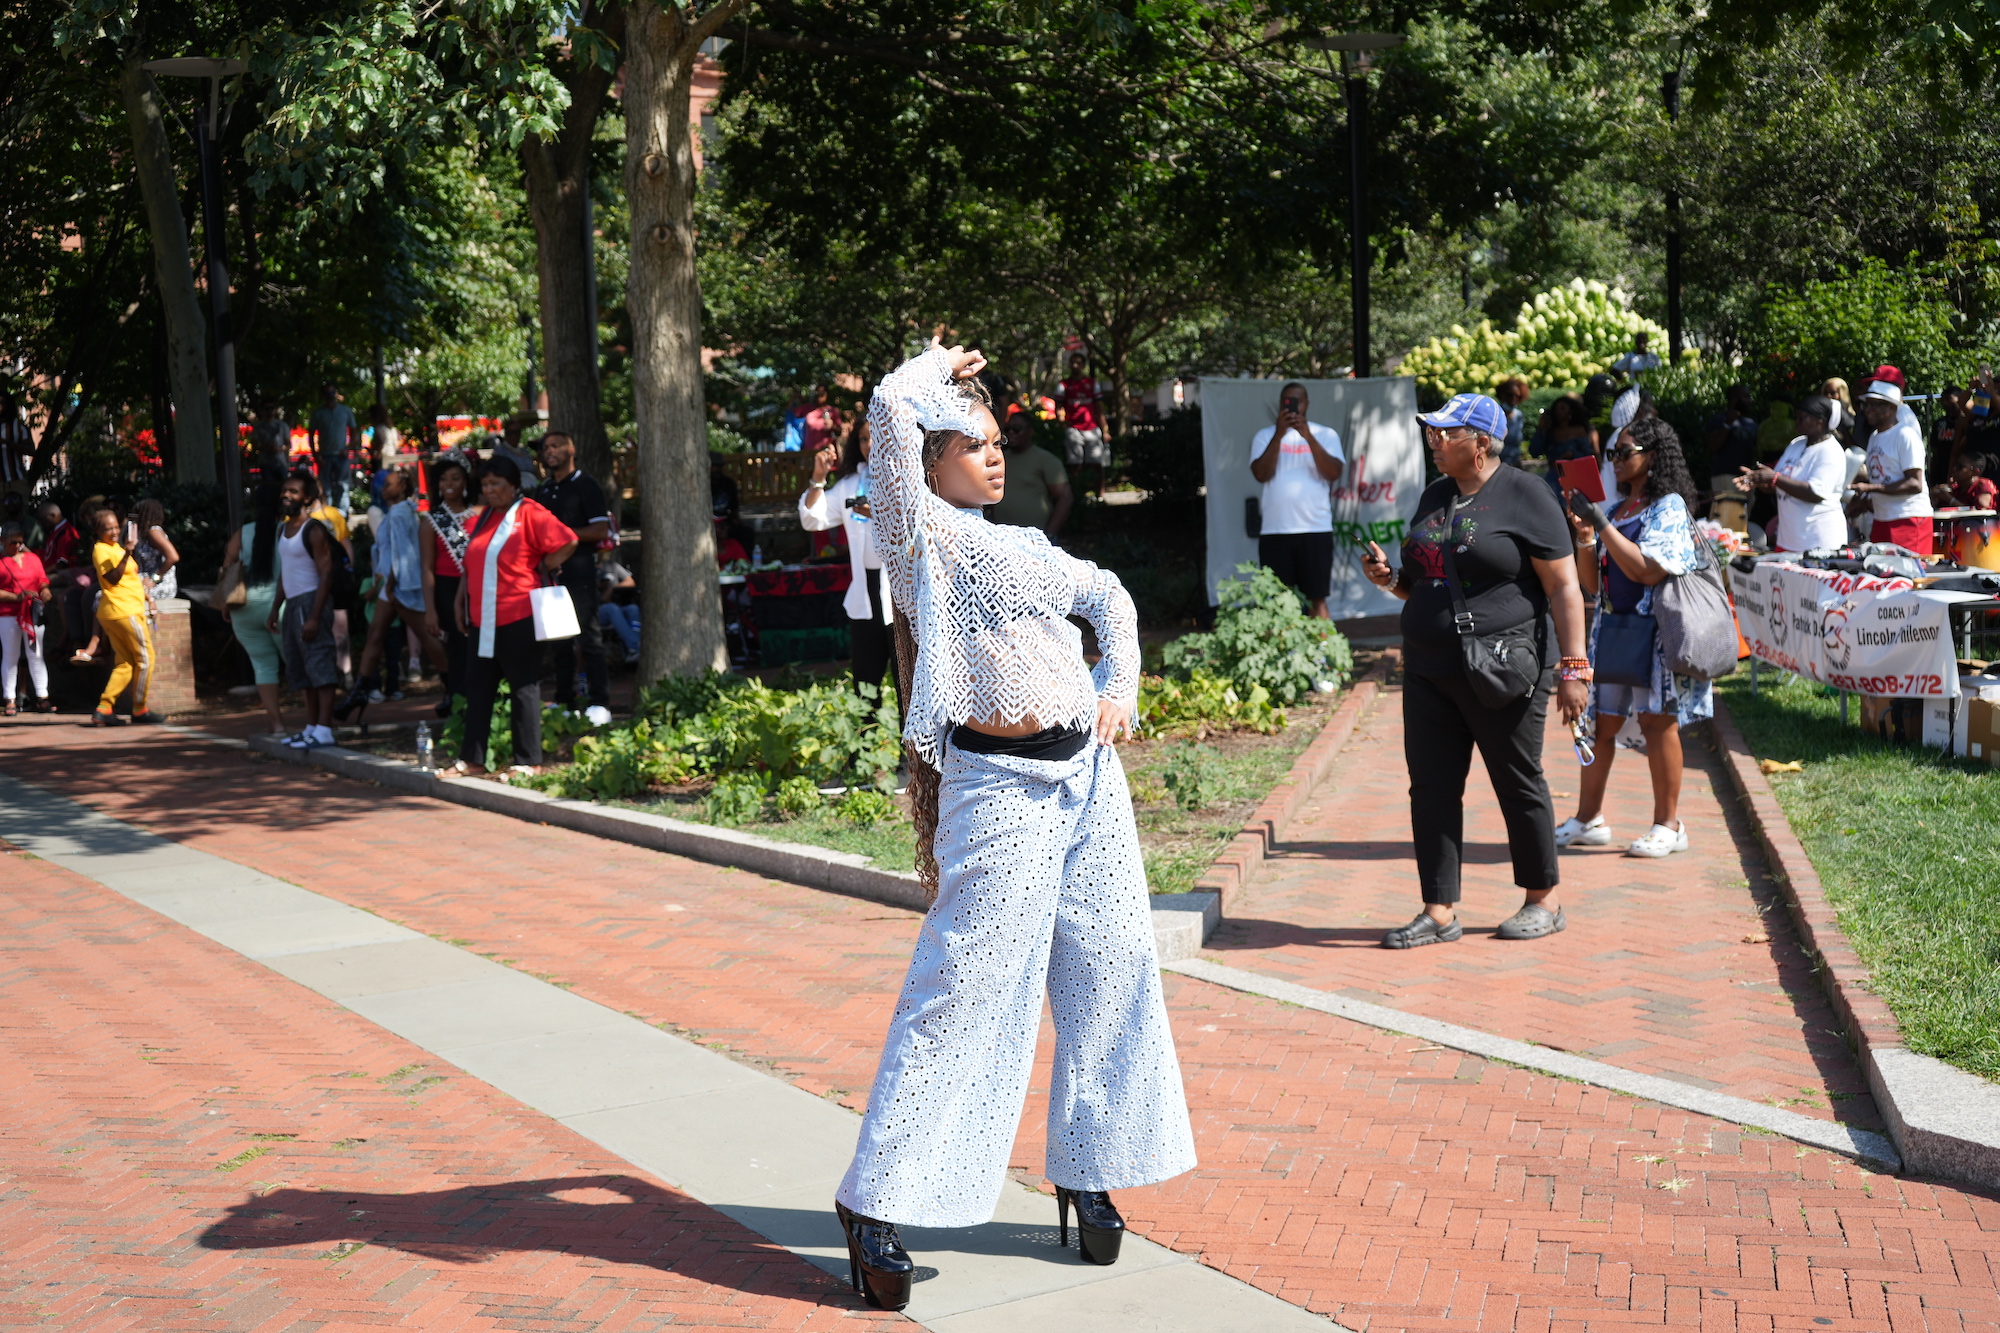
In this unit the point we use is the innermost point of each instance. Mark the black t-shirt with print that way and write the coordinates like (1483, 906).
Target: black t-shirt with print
(1496, 532)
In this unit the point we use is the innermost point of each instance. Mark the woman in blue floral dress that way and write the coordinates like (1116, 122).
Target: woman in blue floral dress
(1650, 539)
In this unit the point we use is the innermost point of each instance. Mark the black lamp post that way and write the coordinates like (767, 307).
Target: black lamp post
(208, 156)
(1357, 51)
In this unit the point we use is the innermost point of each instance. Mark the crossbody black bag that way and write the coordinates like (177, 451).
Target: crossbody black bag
(1503, 667)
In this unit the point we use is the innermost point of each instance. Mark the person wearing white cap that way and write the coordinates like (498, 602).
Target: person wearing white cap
(1894, 487)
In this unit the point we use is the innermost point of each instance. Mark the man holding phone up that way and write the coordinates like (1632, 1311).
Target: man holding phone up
(1297, 461)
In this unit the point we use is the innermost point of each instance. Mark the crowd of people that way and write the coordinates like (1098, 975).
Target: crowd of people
(85, 587)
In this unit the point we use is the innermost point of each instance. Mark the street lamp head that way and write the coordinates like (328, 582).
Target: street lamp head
(197, 67)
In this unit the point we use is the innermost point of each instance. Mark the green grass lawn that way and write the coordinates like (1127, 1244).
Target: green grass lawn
(892, 843)
(1907, 843)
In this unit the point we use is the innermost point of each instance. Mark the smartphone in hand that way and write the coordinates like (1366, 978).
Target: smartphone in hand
(131, 532)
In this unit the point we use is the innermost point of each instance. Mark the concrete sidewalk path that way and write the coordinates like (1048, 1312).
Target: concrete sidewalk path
(757, 1149)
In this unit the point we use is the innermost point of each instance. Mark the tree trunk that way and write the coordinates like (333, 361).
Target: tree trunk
(557, 177)
(681, 631)
(187, 359)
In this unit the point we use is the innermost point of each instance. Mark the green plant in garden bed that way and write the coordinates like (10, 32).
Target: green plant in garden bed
(1263, 638)
(1200, 704)
(1903, 840)
(825, 733)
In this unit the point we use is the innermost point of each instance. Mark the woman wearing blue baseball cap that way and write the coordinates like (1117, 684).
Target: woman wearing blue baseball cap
(1492, 620)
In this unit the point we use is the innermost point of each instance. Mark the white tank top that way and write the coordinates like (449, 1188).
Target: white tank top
(295, 562)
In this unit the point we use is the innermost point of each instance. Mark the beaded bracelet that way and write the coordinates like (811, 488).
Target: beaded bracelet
(1570, 671)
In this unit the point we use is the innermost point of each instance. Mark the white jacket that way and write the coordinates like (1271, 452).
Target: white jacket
(989, 602)
(830, 509)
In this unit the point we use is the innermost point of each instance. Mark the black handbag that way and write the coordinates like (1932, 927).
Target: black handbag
(1625, 649)
(1503, 667)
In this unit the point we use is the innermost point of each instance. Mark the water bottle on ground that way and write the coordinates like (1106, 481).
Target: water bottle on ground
(424, 746)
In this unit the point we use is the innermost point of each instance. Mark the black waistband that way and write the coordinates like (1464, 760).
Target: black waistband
(1051, 743)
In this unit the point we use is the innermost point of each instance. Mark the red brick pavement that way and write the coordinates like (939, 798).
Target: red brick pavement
(161, 1168)
(1359, 1174)
(1653, 973)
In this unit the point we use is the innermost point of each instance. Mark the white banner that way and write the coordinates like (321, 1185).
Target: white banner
(1855, 632)
(1373, 500)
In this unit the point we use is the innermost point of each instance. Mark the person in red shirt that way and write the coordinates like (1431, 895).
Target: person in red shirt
(1079, 396)
(23, 588)
(1969, 487)
(823, 422)
(65, 558)
(514, 545)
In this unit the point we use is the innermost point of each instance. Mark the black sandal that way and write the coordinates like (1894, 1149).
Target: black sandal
(1424, 930)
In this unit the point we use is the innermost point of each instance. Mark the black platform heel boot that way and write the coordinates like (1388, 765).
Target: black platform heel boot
(877, 1264)
(356, 698)
(1099, 1228)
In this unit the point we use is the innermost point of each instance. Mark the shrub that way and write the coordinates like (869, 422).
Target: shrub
(866, 807)
(796, 796)
(829, 733)
(1193, 776)
(736, 798)
(1564, 336)
(1263, 638)
(1849, 325)
(1201, 704)
(621, 762)
(678, 698)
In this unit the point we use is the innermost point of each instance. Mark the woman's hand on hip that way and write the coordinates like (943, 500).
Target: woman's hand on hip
(1112, 718)
(1572, 697)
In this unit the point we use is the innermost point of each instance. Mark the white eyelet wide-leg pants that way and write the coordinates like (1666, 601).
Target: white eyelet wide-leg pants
(1040, 887)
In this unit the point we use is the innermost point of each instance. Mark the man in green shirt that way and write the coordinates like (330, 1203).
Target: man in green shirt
(1038, 493)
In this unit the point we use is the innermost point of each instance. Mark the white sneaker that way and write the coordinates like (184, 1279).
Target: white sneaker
(1572, 832)
(1660, 841)
(598, 715)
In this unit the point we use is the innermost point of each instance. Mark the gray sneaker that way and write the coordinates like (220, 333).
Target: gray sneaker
(1531, 923)
(1421, 931)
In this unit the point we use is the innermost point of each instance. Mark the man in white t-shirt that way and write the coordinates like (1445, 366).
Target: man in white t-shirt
(1297, 461)
(1808, 480)
(1894, 487)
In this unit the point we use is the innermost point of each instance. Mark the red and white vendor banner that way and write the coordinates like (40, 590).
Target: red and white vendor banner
(1855, 632)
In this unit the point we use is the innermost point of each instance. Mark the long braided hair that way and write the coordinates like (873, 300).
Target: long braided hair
(923, 787)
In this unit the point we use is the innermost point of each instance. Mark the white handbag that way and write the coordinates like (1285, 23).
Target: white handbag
(555, 613)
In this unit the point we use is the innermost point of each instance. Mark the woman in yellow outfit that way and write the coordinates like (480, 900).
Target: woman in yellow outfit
(123, 610)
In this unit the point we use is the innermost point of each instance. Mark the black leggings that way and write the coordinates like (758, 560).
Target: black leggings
(517, 655)
(446, 588)
(1442, 721)
(874, 643)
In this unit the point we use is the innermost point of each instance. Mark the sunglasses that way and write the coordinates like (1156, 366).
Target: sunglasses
(1620, 455)
(1585, 743)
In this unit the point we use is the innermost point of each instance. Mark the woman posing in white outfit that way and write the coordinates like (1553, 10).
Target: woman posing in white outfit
(1037, 869)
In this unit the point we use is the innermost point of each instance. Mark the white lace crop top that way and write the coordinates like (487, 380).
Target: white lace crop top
(988, 603)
